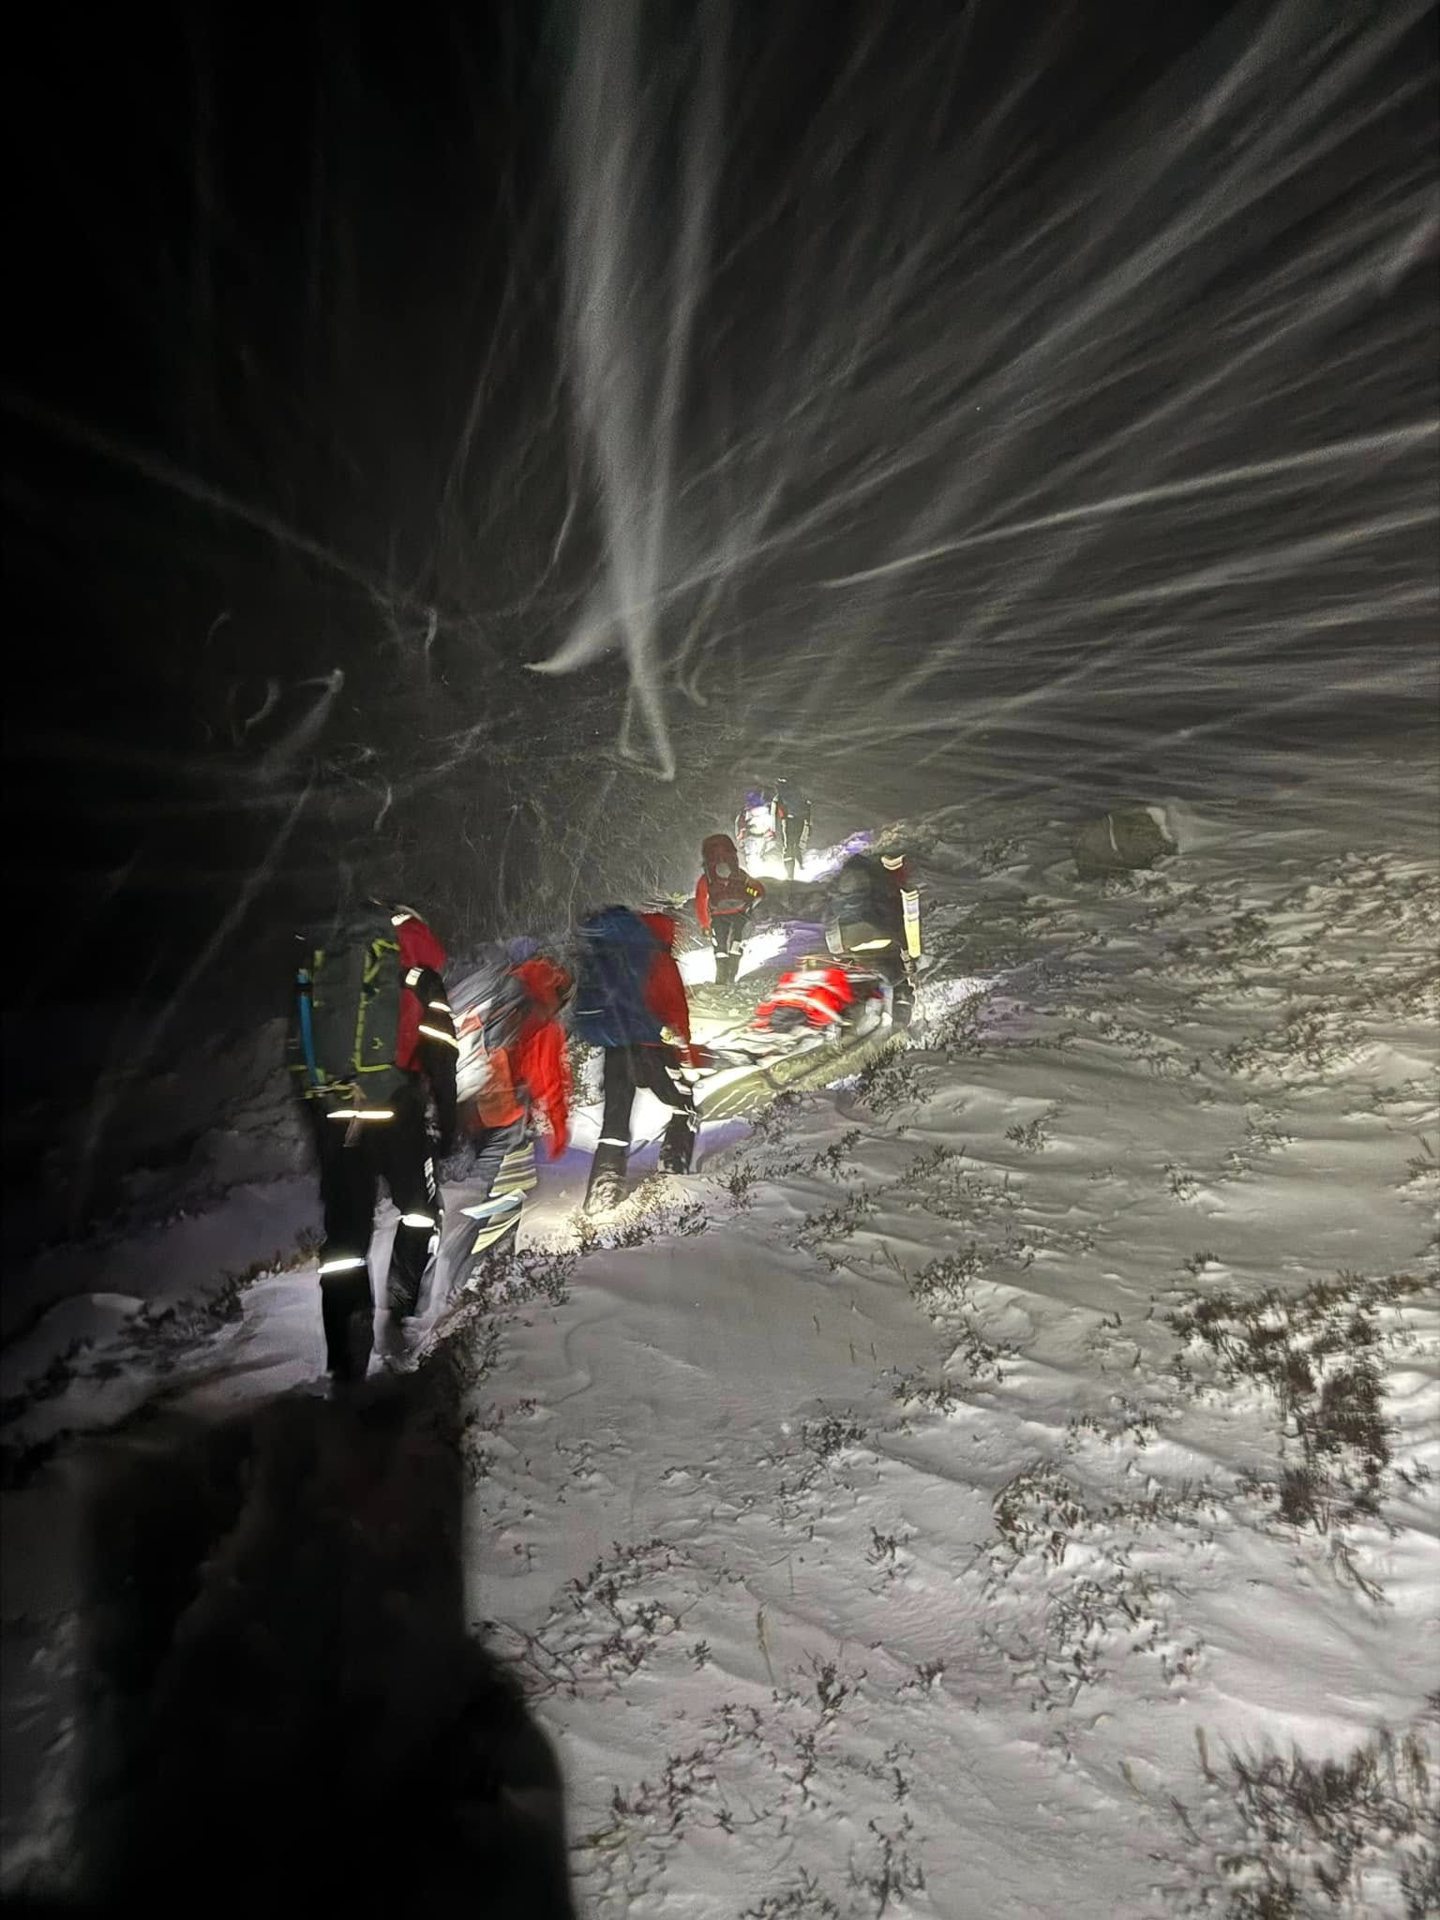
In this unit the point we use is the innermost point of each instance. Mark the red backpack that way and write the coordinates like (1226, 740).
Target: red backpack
(728, 883)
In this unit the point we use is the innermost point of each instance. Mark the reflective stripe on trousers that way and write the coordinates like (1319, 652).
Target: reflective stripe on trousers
(494, 1218)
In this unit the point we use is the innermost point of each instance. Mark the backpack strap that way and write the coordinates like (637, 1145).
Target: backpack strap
(305, 996)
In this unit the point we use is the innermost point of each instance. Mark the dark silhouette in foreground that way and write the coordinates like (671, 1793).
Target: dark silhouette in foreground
(282, 1701)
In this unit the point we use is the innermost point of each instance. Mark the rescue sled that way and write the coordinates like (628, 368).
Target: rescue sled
(822, 1021)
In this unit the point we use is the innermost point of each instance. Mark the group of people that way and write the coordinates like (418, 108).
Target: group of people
(774, 822)
(395, 1069)
(874, 912)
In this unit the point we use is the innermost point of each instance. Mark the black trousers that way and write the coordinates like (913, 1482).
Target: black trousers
(727, 936)
(793, 836)
(353, 1162)
(626, 1070)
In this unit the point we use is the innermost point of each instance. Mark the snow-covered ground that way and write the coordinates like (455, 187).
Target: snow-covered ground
(1000, 1483)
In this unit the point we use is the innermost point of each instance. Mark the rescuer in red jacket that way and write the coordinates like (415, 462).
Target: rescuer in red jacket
(725, 897)
(513, 1072)
(631, 1002)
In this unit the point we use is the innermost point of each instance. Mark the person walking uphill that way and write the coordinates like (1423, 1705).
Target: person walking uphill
(793, 817)
(374, 1050)
(512, 1069)
(875, 914)
(725, 897)
(631, 1002)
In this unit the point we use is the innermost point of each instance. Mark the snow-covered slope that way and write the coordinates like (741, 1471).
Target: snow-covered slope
(1000, 1484)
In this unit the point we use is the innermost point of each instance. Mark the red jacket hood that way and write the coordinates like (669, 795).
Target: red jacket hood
(418, 945)
(547, 985)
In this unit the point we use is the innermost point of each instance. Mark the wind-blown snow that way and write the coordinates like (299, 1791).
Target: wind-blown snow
(999, 1481)
(867, 1515)
(762, 945)
(920, 398)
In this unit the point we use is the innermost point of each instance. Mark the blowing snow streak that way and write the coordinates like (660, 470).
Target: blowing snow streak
(494, 445)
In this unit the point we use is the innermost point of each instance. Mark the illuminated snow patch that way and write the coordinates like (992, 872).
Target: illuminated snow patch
(936, 997)
(815, 865)
(821, 862)
(697, 967)
(762, 947)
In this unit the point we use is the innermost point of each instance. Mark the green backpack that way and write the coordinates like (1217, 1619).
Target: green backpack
(348, 1005)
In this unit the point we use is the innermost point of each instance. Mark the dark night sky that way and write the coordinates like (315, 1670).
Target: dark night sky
(260, 262)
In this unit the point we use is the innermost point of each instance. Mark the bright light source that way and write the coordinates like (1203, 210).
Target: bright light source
(821, 862)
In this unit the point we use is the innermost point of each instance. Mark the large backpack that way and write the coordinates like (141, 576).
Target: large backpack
(617, 951)
(489, 1005)
(865, 908)
(863, 887)
(723, 875)
(348, 990)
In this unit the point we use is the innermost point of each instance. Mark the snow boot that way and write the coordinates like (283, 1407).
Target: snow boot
(398, 1344)
(607, 1176)
(727, 968)
(677, 1149)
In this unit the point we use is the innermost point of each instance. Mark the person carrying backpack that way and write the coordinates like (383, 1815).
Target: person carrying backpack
(792, 826)
(725, 897)
(630, 1001)
(374, 1050)
(512, 1068)
(756, 831)
(875, 914)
